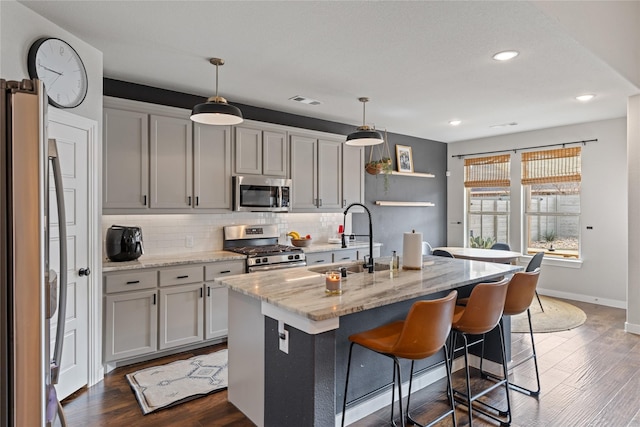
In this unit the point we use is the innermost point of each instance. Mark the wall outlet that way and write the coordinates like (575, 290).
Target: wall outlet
(188, 242)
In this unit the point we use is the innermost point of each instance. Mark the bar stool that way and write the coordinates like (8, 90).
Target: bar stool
(520, 293)
(482, 314)
(422, 334)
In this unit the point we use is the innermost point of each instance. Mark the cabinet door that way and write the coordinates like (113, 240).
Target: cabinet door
(216, 311)
(274, 153)
(125, 159)
(248, 151)
(304, 172)
(212, 167)
(181, 315)
(131, 325)
(319, 258)
(352, 175)
(329, 174)
(171, 162)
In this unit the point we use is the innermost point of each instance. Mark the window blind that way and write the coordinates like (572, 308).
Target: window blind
(492, 171)
(551, 166)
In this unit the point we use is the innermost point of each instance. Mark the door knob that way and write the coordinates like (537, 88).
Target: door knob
(84, 272)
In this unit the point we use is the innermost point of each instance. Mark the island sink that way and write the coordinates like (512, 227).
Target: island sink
(351, 268)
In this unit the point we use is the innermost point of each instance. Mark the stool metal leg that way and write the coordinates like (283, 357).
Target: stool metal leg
(346, 384)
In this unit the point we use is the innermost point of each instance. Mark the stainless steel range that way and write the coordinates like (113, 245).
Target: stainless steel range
(260, 244)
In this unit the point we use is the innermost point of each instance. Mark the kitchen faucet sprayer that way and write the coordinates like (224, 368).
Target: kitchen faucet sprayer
(368, 263)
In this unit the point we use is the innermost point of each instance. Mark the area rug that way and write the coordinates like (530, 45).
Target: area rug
(557, 316)
(177, 382)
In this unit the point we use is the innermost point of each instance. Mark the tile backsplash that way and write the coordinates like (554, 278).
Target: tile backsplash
(185, 233)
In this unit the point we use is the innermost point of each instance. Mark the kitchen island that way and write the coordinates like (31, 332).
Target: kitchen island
(288, 339)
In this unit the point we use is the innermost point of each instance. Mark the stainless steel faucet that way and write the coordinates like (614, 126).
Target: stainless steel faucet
(368, 262)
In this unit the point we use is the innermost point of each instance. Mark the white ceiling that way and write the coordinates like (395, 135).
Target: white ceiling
(422, 63)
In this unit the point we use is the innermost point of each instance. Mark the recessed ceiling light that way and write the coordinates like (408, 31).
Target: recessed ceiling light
(586, 97)
(455, 122)
(506, 55)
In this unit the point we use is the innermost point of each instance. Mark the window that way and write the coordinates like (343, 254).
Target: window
(487, 180)
(552, 201)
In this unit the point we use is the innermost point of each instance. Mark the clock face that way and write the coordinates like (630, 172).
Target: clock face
(61, 70)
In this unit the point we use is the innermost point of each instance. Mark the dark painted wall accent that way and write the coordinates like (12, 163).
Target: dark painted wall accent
(389, 223)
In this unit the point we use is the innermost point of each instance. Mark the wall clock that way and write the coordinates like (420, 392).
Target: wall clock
(61, 70)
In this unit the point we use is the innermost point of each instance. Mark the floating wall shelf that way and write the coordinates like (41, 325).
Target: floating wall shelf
(389, 203)
(414, 174)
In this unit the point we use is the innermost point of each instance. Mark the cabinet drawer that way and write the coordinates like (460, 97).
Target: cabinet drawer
(227, 268)
(181, 275)
(346, 255)
(130, 281)
(319, 258)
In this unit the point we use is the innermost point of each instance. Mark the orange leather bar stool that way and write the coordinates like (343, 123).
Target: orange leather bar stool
(482, 314)
(422, 334)
(520, 294)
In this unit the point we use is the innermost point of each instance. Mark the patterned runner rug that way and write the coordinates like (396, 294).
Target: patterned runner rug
(177, 382)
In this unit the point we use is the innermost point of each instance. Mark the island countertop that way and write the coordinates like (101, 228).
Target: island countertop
(302, 291)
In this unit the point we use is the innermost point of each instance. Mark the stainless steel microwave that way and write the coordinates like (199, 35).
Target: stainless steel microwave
(261, 194)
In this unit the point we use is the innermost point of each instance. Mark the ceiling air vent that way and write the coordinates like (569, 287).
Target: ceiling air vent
(305, 100)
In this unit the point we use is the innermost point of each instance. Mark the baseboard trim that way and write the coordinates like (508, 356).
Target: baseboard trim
(583, 298)
(632, 328)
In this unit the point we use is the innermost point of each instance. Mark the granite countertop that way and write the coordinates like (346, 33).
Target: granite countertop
(302, 291)
(155, 261)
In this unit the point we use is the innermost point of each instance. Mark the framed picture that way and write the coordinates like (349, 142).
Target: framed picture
(404, 158)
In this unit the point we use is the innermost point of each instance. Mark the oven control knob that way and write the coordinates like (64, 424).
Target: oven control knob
(265, 260)
(297, 256)
(258, 261)
(290, 257)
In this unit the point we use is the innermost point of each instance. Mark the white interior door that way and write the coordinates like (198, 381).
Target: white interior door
(72, 140)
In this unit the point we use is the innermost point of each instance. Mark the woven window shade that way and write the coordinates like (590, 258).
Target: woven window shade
(493, 171)
(551, 166)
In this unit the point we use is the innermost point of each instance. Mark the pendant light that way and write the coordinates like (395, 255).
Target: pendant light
(216, 111)
(364, 135)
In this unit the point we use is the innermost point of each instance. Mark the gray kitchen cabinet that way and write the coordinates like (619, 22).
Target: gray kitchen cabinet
(181, 315)
(212, 167)
(171, 162)
(131, 324)
(345, 255)
(352, 176)
(125, 159)
(217, 297)
(319, 258)
(260, 151)
(316, 173)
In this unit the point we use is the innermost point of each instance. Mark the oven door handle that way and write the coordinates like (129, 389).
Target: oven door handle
(278, 266)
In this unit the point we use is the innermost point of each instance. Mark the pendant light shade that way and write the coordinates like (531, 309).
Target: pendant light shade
(364, 135)
(216, 111)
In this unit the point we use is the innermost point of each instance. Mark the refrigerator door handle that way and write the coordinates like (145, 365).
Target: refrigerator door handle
(62, 238)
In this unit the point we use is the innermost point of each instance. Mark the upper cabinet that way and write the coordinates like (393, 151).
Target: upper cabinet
(260, 151)
(126, 159)
(212, 166)
(352, 176)
(316, 173)
(171, 162)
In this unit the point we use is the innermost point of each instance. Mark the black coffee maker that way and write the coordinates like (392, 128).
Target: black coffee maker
(124, 243)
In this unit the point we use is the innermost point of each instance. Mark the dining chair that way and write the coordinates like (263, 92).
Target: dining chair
(534, 264)
(442, 252)
(501, 246)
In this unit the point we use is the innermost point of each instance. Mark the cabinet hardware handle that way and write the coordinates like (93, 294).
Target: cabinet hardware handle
(197, 200)
(145, 200)
(319, 202)
(189, 198)
(201, 293)
(133, 282)
(182, 277)
(154, 299)
(345, 257)
(225, 271)
(208, 291)
(344, 203)
(320, 260)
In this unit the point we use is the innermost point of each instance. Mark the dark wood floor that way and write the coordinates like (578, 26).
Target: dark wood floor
(590, 377)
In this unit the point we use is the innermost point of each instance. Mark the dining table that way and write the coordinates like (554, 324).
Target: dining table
(482, 254)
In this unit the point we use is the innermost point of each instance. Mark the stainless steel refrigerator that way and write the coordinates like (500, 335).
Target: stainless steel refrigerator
(30, 293)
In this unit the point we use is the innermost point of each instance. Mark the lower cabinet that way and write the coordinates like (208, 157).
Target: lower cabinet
(181, 315)
(149, 310)
(131, 325)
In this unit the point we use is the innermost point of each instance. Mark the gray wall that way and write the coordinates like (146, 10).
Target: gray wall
(390, 223)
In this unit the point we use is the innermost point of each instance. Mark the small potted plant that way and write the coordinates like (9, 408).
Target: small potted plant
(381, 165)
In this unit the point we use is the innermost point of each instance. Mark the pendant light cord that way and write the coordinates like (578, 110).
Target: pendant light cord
(364, 106)
(216, 81)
